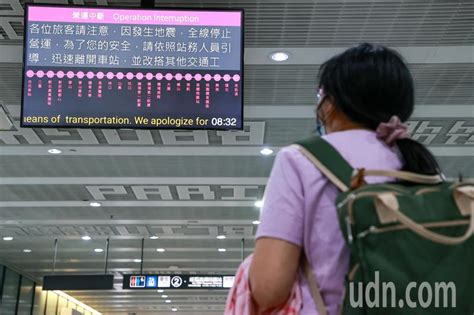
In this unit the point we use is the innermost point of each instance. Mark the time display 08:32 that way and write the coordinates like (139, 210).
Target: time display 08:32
(226, 122)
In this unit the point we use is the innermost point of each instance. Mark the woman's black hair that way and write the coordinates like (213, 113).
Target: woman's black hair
(370, 84)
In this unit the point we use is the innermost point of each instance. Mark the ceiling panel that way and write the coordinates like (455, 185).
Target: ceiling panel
(208, 166)
(131, 213)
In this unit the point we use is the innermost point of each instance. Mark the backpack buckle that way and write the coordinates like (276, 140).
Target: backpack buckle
(358, 180)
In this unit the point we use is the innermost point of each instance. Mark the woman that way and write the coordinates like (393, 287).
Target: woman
(361, 90)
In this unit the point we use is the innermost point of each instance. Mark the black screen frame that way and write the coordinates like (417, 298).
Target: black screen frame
(242, 50)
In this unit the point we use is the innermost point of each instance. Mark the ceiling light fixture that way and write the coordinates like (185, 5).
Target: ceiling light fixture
(259, 203)
(279, 56)
(154, 237)
(266, 151)
(221, 237)
(222, 250)
(256, 222)
(161, 250)
(55, 151)
(26, 250)
(168, 301)
(174, 309)
(137, 260)
(8, 238)
(98, 250)
(161, 291)
(164, 296)
(86, 238)
(95, 204)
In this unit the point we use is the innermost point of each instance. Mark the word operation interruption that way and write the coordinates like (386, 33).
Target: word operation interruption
(179, 19)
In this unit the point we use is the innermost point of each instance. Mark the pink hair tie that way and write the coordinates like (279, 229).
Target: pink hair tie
(392, 131)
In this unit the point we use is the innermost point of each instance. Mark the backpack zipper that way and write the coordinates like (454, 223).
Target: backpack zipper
(398, 227)
(354, 194)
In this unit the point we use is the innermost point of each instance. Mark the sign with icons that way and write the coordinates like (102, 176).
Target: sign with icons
(173, 282)
(151, 281)
(177, 281)
(137, 281)
(164, 281)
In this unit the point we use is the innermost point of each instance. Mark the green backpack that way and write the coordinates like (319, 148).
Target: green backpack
(411, 241)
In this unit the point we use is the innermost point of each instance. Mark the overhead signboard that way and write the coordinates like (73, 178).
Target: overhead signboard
(78, 282)
(104, 67)
(140, 282)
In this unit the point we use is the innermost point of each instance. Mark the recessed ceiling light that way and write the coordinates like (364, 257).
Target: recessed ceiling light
(221, 237)
(168, 301)
(266, 151)
(222, 250)
(26, 250)
(154, 237)
(174, 309)
(164, 296)
(8, 238)
(259, 203)
(279, 56)
(161, 291)
(256, 222)
(161, 250)
(86, 238)
(55, 151)
(95, 204)
(98, 250)
(137, 260)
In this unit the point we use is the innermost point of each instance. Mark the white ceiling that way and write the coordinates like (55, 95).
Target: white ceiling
(44, 196)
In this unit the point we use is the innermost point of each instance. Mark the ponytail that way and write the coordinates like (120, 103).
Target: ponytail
(370, 84)
(417, 158)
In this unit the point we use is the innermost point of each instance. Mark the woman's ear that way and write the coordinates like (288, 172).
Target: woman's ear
(328, 107)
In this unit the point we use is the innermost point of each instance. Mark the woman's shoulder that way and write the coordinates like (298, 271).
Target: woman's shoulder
(362, 148)
(291, 159)
(359, 147)
(290, 154)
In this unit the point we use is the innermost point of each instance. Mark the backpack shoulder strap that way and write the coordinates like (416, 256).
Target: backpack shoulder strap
(314, 288)
(330, 162)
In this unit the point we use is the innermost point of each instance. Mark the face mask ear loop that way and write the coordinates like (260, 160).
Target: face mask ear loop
(320, 129)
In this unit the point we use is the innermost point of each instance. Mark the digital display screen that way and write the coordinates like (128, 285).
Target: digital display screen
(177, 281)
(95, 67)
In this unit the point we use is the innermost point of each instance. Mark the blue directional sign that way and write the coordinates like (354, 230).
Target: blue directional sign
(151, 281)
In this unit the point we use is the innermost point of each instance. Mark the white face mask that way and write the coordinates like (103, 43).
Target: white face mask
(320, 128)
